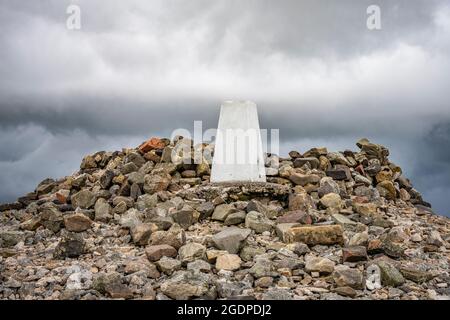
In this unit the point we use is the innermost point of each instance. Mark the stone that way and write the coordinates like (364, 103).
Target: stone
(51, 218)
(199, 265)
(140, 233)
(277, 294)
(231, 239)
(254, 205)
(106, 179)
(102, 210)
(326, 234)
(141, 265)
(384, 175)
(365, 209)
(294, 154)
(10, 238)
(156, 183)
(264, 282)
(31, 224)
(203, 169)
(112, 285)
(168, 265)
(319, 264)
(136, 178)
(205, 209)
(331, 200)
(338, 158)
(146, 201)
(120, 208)
(343, 220)
(434, 238)
(248, 253)
(390, 276)
(174, 237)
(263, 267)
(298, 248)
(316, 152)
(77, 222)
(354, 254)
(212, 254)
(327, 185)
(387, 189)
(342, 173)
(131, 219)
(79, 280)
(185, 285)
(297, 216)
(151, 144)
(84, 199)
(345, 291)
(45, 187)
(345, 276)
(258, 222)
(301, 201)
(362, 179)
(156, 252)
(229, 262)
(235, 218)
(71, 245)
(359, 239)
(373, 151)
(304, 179)
(10, 206)
(191, 251)
(312, 162)
(222, 211)
(415, 274)
(186, 217)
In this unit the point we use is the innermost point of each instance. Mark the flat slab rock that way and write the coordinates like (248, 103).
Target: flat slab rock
(213, 190)
(326, 235)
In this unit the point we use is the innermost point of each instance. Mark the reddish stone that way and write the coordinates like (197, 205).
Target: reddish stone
(375, 246)
(61, 198)
(360, 169)
(156, 252)
(153, 143)
(354, 254)
(297, 216)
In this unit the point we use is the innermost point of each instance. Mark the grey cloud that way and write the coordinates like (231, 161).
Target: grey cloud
(144, 68)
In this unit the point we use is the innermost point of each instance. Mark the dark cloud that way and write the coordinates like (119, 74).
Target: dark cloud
(145, 68)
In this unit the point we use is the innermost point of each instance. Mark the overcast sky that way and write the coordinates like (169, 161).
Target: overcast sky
(143, 68)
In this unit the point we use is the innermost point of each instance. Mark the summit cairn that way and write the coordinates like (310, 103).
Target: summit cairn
(134, 224)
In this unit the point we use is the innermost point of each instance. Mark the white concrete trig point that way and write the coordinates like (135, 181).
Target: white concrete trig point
(238, 153)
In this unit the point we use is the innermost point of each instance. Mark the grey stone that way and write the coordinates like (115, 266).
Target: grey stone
(231, 239)
(222, 211)
(84, 199)
(257, 221)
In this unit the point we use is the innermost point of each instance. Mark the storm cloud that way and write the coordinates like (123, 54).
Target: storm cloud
(143, 68)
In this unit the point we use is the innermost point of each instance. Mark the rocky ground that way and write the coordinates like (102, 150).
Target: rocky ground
(139, 224)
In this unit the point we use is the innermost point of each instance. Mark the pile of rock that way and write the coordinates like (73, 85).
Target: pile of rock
(143, 224)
